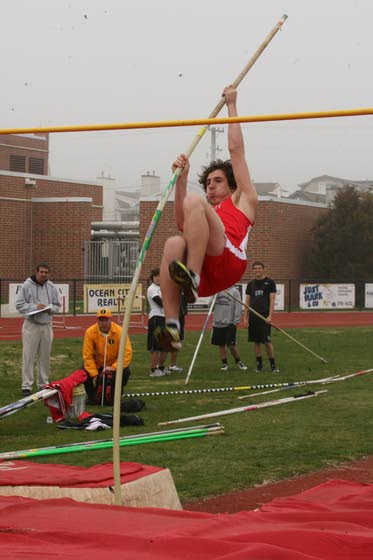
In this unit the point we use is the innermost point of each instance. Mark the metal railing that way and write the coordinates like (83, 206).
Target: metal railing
(110, 259)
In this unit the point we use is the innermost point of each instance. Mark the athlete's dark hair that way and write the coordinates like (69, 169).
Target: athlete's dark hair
(225, 166)
(258, 263)
(154, 272)
(42, 265)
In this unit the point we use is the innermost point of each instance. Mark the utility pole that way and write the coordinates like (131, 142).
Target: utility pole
(214, 148)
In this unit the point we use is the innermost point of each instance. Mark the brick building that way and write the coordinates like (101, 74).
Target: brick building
(45, 218)
(281, 236)
(24, 153)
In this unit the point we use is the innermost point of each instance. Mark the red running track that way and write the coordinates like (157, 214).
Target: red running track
(75, 326)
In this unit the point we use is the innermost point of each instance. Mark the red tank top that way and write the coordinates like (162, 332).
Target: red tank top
(237, 224)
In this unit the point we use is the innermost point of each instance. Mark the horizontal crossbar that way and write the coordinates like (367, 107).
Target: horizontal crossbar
(194, 122)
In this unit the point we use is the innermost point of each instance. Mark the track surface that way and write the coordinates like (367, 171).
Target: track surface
(11, 328)
(253, 498)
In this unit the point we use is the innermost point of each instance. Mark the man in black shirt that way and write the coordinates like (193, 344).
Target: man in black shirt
(260, 296)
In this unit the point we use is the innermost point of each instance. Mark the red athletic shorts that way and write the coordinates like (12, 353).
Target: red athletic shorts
(221, 272)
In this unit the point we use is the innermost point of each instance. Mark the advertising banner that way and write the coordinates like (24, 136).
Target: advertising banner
(326, 296)
(112, 296)
(368, 296)
(280, 297)
(63, 290)
(203, 303)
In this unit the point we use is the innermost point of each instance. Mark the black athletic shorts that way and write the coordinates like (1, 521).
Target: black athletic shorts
(259, 330)
(182, 325)
(155, 321)
(224, 336)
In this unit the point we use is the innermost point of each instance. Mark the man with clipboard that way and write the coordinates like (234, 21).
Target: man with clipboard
(38, 301)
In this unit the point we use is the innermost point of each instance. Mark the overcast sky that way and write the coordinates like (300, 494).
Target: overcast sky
(108, 61)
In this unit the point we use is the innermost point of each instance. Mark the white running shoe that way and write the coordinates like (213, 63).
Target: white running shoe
(241, 365)
(225, 367)
(175, 369)
(157, 373)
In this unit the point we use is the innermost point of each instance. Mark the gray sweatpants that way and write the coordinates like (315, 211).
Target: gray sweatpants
(36, 340)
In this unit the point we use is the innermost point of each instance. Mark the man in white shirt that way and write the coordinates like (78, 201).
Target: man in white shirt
(155, 319)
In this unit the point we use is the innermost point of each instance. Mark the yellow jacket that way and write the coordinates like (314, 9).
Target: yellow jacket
(94, 349)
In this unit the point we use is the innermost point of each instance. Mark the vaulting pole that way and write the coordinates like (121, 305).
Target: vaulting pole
(349, 376)
(145, 247)
(249, 408)
(11, 408)
(325, 381)
(154, 437)
(23, 453)
(200, 338)
(289, 386)
(207, 390)
(276, 327)
(285, 385)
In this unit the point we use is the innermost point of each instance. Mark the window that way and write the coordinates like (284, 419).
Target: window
(17, 163)
(36, 166)
(322, 188)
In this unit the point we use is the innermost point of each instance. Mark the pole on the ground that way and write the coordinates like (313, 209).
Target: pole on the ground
(11, 408)
(168, 435)
(249, 408)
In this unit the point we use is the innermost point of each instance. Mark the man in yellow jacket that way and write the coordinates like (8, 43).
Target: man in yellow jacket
(100, 357)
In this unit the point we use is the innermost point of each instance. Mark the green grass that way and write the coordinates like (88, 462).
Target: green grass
(259, 446)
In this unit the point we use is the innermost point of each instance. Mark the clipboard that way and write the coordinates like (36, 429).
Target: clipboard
(39, 310)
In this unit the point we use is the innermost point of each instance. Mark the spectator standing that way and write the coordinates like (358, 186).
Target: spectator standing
(227, 315)
(38, 301)
(260, 296)
(155, 319)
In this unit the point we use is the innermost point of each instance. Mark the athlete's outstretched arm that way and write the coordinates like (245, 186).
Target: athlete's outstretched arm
(245, 197)
(180, 189)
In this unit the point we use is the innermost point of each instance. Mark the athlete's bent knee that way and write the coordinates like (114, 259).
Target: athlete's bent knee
(175, 247)
(192, 201)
